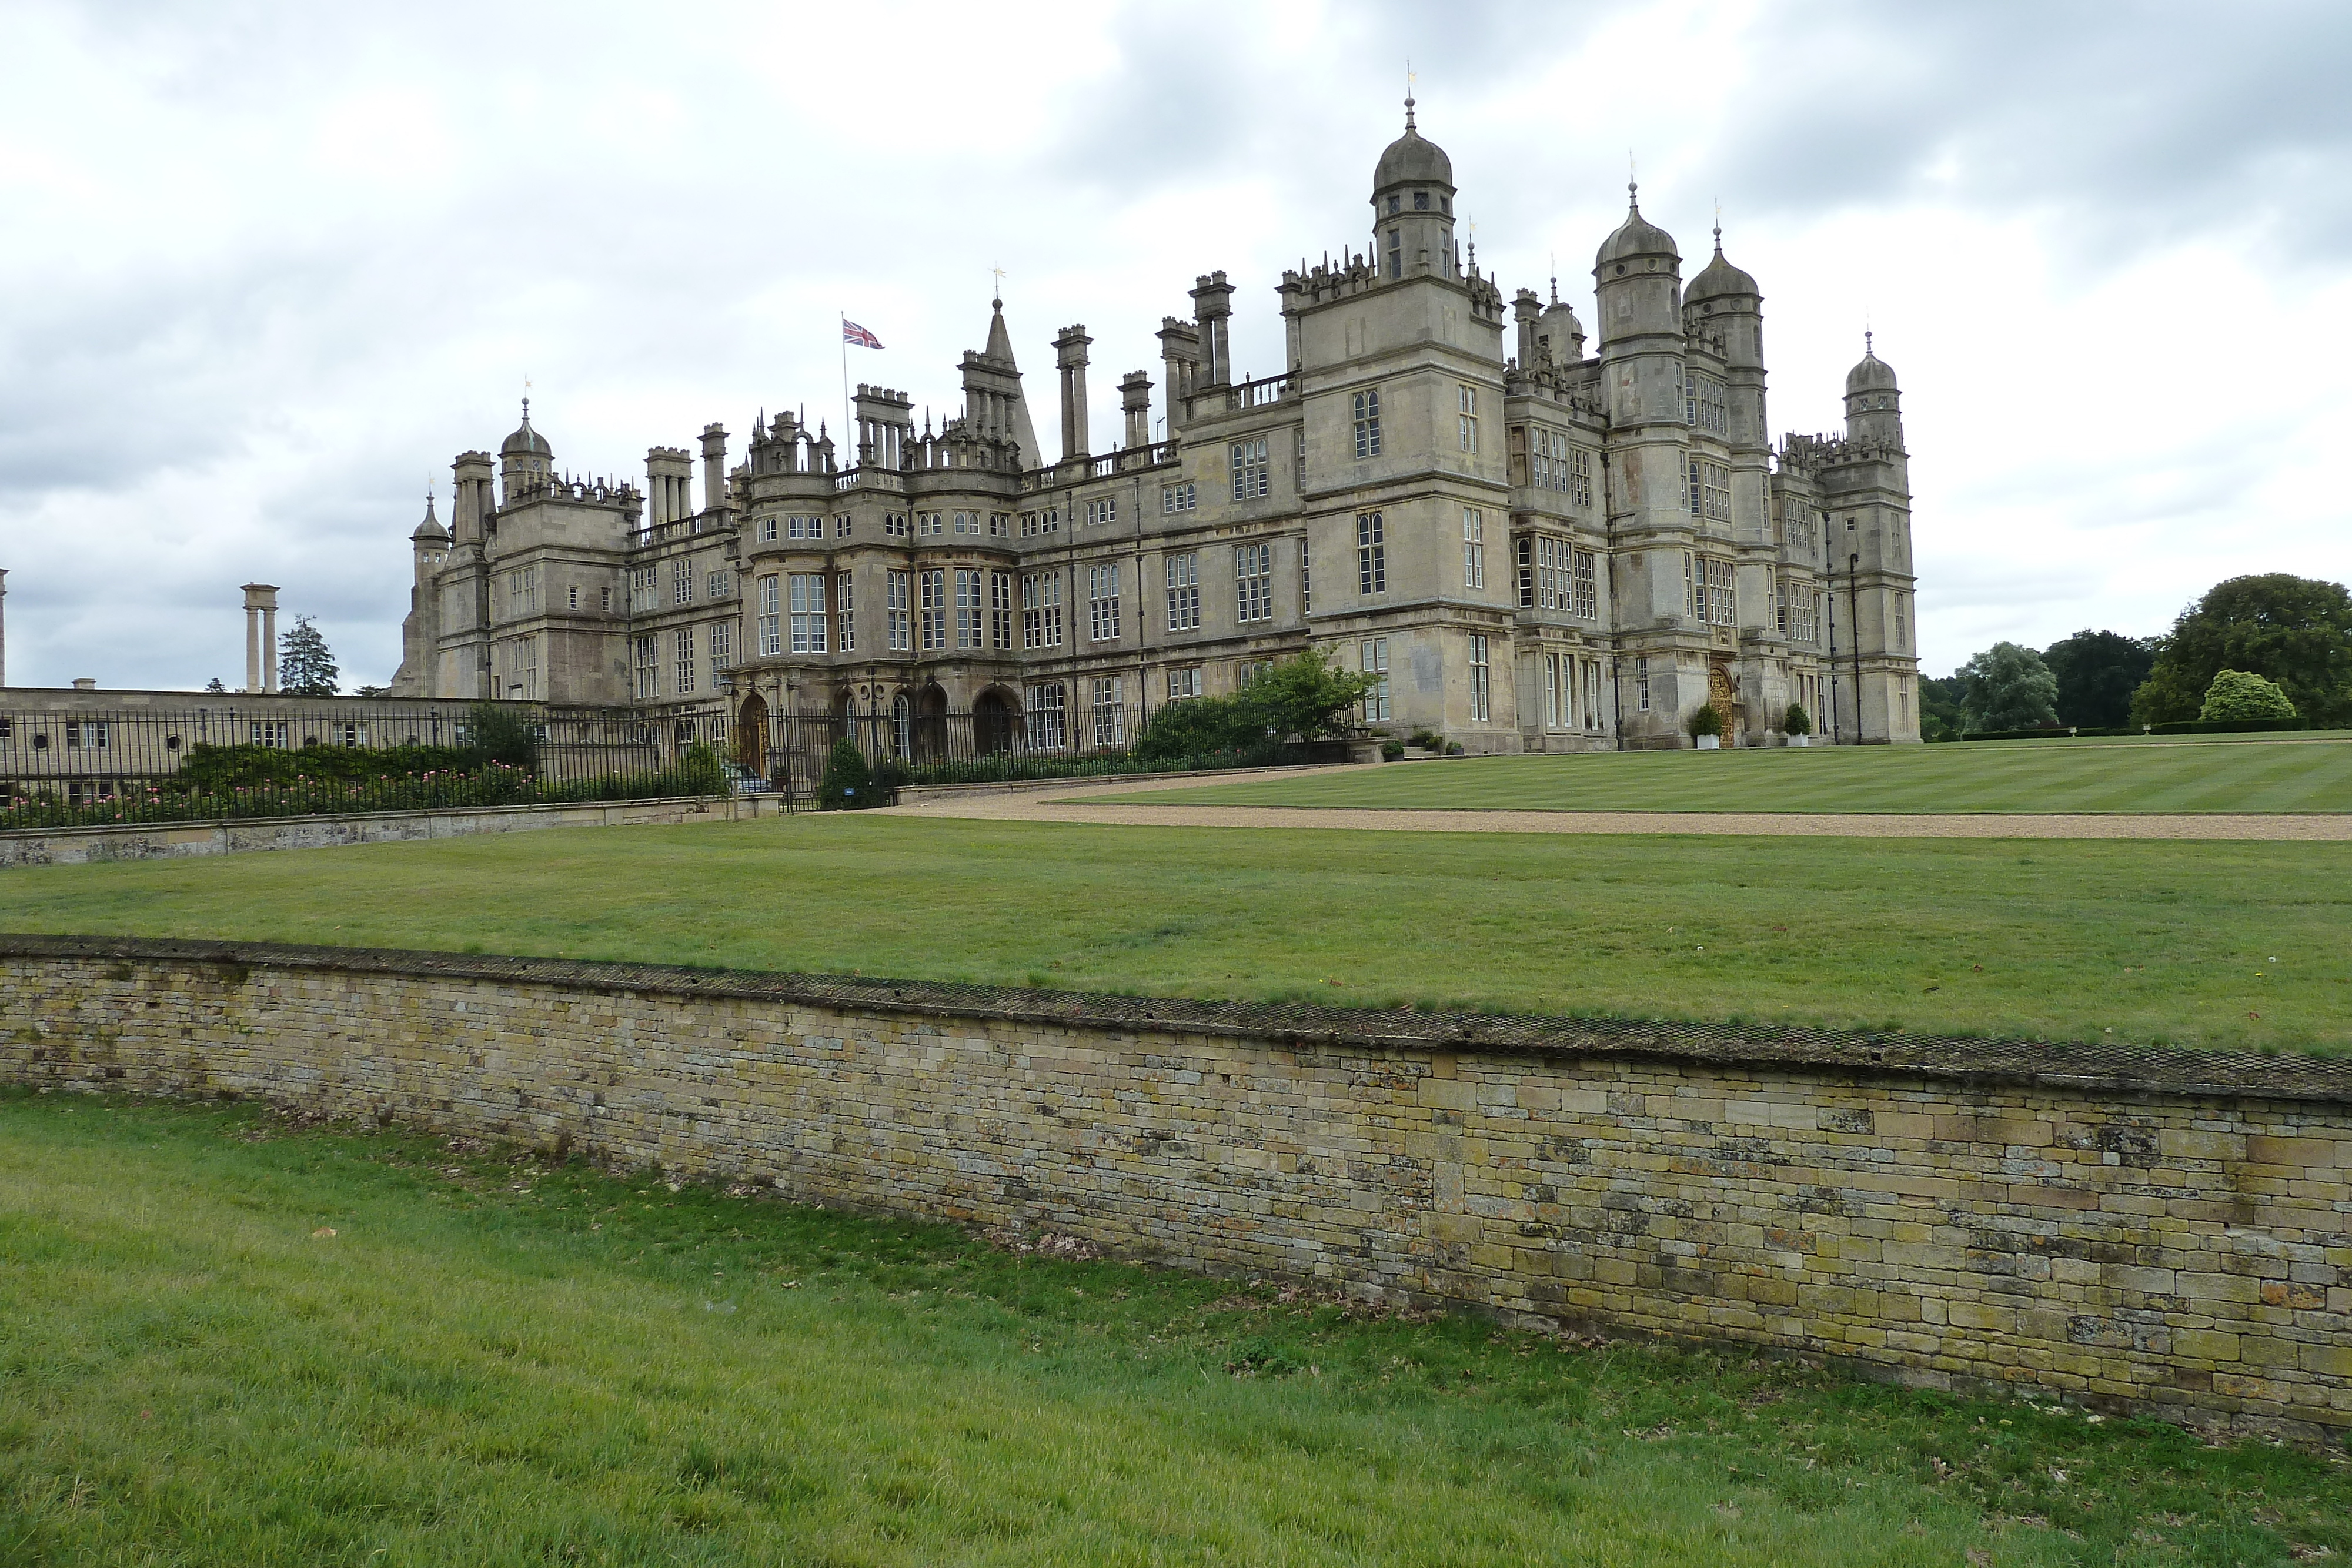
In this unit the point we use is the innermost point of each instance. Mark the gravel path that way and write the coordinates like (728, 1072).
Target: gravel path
(1060, 805)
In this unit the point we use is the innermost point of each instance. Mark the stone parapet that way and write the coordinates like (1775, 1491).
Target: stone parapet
(2161, 1230)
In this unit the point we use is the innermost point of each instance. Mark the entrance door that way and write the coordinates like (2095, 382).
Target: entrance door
(1724, 697)
(751, 734)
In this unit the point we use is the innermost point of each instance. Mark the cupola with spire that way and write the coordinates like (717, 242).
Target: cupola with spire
(1723, 301)
(1874, 404)
(430, 530)
(1638, 276)
(525, 459)
(1558, 334)
(1413, 205)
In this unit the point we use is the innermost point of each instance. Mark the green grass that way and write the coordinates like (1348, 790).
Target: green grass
(2169, 774)
(2169, 943)
(495, 1360)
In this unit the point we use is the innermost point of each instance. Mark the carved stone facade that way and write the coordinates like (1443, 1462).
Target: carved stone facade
(1543, 549)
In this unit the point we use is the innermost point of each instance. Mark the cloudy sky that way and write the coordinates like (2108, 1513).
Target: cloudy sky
(265, 268)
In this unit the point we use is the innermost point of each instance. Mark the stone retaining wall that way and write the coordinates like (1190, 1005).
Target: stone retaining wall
(168, 840)
(2161, 1230)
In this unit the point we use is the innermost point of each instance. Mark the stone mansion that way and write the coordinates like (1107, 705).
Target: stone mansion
(1538, 546)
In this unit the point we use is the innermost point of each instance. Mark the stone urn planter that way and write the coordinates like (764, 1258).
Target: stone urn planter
(1710, 743)
(1800, 740)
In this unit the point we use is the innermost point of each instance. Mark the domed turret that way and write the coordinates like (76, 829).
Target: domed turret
(1636, 239)
(1558, 331)
(525, 440)
(1638, 277)
(1723, 302)
(1720, 280)
(1412, 206)
(525, 459)
(1874, 404)
(430, 531)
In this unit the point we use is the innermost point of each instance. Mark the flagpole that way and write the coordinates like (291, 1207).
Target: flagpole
(845, 427)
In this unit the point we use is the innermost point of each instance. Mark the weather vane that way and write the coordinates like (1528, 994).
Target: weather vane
(1000, 282)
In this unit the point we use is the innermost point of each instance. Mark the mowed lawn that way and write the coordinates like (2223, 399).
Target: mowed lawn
(227, 1341)
(2232, 945)
(2167, 774)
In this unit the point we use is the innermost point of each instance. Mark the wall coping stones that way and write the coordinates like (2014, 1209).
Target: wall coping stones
(2092, 1069)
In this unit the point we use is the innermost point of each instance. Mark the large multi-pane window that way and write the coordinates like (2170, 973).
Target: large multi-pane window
(1253, 582)
(1473, 548)
(1109, 712)
(1041, 610)
(681, 582)
(1560, 676)
(722, 649)
(1480, 678)
(1368, 423)
(1584, 600)
(967, 522)
(1396, 253)
(644, 587)
(896, 591)
(771, 606)
(1048, 718)
(1249, 469)
(1554, 464)
(1306, 579)
(1372, 554)
(1177, 498)
(1705, 405)
(1184, 592)
(1721, 601)
(805, 527)
(932, 589)
(1467, 412)
(1048, 521)
(1102, 509)
(767, 531)
(1102, 603)
(522, 591)
(807, 595)
(841, 525)
(649, 667)
(999, 610)
(1551, 588)
(843, 614)
(682, 674)
(1641, 682)
(1708, 489)
(1184, 684)
(894, 525)
(929, 525)
(1372, 656)
(716, 585)
(967, 608)
(1591, 694)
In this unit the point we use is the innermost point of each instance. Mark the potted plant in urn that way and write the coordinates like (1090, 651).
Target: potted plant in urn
(1799, 726)
(1707, 728)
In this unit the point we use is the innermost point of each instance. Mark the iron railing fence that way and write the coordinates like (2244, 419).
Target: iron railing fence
(270, 759)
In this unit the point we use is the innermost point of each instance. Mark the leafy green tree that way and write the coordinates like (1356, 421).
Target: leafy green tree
(1706, 721)
(305, 667)
(2294, 631)
(1196, 726)
(2008, 687)
(2238, 694)
(1939, 706)
(2097, 672)
(1307, 696)
(848, 782)
(1798, 722)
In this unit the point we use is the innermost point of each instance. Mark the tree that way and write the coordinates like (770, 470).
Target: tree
(2097, 672)
(305, 667)
(1939, 706)
(1304, 695)
(2008, 687)
(1797, 721)
(500, 735)
(2235, 695)
(1706, 721)
(2294, 631)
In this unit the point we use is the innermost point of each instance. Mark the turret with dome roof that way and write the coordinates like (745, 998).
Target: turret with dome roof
(525, 459)
(1413, 205)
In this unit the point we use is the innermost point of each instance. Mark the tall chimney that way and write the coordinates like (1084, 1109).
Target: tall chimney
(714, 467)
(1135, 402)
(1070, 354)
(1213, 308)
(261, 637)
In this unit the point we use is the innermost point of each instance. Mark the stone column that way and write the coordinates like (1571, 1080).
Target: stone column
(1070, 356)
(261, 637)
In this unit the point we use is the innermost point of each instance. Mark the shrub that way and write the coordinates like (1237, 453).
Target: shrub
(2236, 695)
(1706, 721)
(502, 735)
(1196, 726)
(1307, 696)
(848, 783)
(1427, 740)
(1798, 721)
(1393, 750)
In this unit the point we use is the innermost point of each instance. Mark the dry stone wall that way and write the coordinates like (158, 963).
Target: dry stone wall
(2156, 1230)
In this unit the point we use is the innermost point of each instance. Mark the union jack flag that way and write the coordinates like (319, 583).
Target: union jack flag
(851, 333)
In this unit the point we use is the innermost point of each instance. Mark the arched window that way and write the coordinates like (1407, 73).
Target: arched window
(902, 727)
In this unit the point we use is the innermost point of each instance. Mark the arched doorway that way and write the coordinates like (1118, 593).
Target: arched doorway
(931, 724)
(751, 734)
(991, 724)
(1724, 697)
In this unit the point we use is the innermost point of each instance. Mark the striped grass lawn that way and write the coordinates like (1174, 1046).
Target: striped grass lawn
(229, 1343)
(2168, 774)
(2237, 945)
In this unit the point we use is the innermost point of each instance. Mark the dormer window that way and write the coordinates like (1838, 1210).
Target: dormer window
(1421, 200)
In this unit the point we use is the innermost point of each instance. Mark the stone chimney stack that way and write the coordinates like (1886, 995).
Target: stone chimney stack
(1213, 308)
(1180, 361)
(1135, 402)
(1070, 355)
(1525, 308)
(261, 637)
(714, 467)
(669, 479)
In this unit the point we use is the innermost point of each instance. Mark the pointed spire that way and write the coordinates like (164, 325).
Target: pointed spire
(1554, 278)
(1869, 347)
